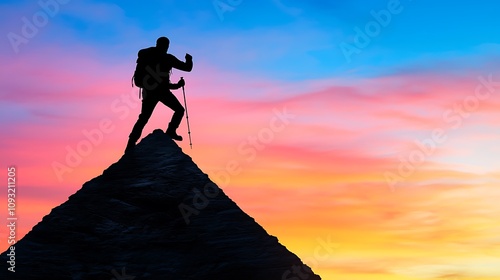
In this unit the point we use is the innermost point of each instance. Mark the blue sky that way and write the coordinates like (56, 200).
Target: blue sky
(354, 121)
(289, 40)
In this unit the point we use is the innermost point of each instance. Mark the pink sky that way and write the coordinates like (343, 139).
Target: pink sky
(317, 175)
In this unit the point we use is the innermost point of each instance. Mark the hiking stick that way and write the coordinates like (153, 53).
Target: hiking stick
(187, 116)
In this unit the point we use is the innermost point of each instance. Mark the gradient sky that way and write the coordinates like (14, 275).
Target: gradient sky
(369, 148)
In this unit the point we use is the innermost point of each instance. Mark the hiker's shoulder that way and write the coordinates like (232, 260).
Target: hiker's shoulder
(147, 51)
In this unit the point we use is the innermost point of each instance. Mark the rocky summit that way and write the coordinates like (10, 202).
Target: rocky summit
(152, 215)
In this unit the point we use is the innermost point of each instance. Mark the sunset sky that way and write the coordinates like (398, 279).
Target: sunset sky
(363, 134)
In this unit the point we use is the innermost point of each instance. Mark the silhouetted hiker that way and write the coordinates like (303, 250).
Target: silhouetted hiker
(152, 74)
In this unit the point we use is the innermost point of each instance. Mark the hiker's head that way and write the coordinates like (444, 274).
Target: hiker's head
(163, 43)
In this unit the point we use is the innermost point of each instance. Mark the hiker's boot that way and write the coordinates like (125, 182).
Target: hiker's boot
(171, 132)
(130, 146)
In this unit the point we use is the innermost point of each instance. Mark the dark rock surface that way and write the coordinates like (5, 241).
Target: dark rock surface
(152, 215)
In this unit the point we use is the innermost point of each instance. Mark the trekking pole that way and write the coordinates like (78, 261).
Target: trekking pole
(187, 116)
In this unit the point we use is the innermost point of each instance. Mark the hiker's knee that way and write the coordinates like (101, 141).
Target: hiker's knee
(180, 110)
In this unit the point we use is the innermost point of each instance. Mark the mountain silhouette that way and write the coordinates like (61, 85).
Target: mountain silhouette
(152, 215)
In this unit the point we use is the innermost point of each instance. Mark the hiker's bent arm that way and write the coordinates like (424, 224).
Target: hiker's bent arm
(180, 84)
(174, 86)
(184, 66)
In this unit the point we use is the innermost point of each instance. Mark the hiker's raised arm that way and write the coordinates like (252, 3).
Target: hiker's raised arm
(184, 66)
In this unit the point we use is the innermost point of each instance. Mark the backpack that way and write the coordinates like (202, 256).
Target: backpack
(146, 58)
(143, 59)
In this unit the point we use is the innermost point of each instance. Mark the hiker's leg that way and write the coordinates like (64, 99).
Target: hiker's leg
(173, 103)
(148, 105)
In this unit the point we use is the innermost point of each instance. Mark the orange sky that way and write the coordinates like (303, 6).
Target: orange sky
(388, 175)
(311, 168)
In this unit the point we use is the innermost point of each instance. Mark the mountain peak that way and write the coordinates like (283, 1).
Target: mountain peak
(152, 215)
